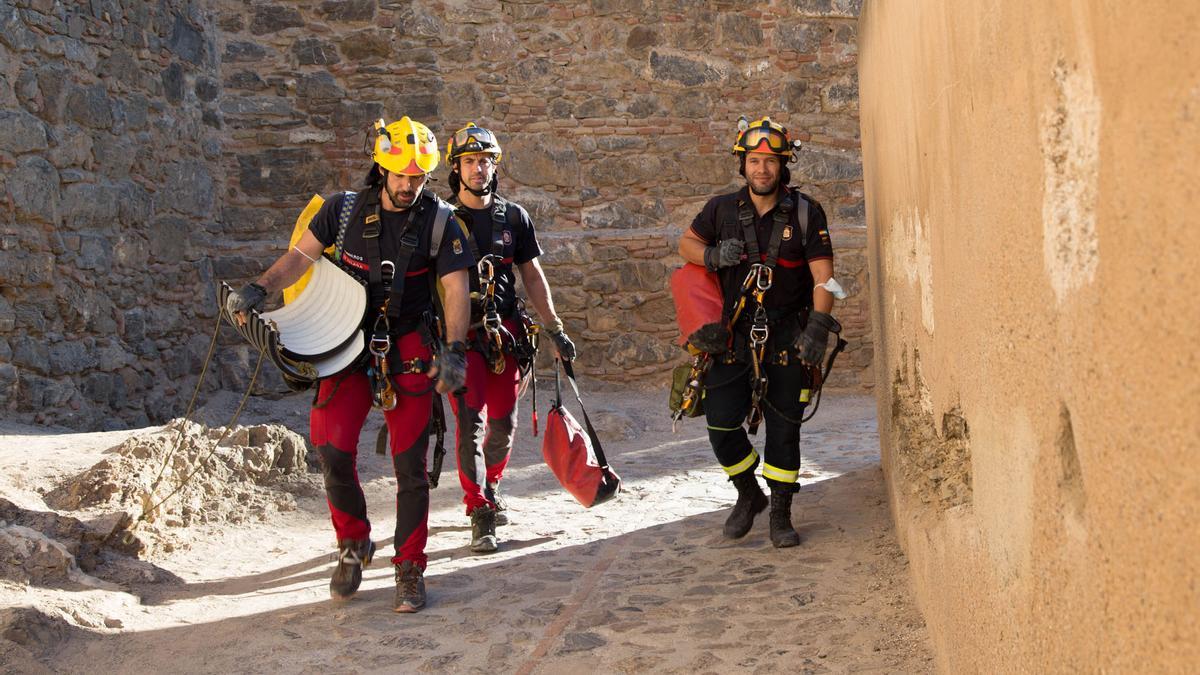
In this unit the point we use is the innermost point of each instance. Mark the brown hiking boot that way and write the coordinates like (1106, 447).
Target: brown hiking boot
(483, 530)
(750, 502)
(492, 493)
(410, 588)
(353, 556)
(783, 535)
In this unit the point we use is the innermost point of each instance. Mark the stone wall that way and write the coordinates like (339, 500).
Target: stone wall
(1030, 175)
(108, 172)
(616, 117)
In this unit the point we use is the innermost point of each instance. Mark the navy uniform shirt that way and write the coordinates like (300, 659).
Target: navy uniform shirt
(792, 288)
(520, 245)
(454, 254)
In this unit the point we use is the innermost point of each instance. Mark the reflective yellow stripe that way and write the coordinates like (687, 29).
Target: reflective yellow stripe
(781, 475)
(805, 395)
(742, 465)
(711, 427)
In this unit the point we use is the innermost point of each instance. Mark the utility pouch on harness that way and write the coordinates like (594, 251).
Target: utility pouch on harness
(687, 388)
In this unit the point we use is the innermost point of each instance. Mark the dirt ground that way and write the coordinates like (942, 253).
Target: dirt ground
(645, 583)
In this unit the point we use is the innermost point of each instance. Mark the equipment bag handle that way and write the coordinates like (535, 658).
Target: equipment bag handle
(570, 373)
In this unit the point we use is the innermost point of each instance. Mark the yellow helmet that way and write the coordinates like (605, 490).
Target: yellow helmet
(406, 147)
(473, 140)
(763, 135)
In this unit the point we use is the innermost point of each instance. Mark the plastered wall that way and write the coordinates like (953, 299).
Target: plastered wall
(1030, 171)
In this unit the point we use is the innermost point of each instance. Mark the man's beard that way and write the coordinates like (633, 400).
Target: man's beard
(772, 189)
(397, 201)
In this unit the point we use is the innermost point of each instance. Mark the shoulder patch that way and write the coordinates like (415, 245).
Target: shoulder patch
(456, 246)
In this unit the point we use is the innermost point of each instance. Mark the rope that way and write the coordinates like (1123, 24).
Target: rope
(200, 465)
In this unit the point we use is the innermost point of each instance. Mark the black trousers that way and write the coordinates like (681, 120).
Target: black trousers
(727, 403)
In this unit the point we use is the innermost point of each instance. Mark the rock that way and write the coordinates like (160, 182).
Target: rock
(462, 101)
(192, 189)
(21, 132)
(641, 37)
(13, 32)
(206, 89)
(684, 69)
(274, 18)
(121, 66)
(173, 83)
(796, 98)
(365, 45)
(318, 87)
(841, 95)
(643, 275)
(631, 349)
(283, 173)
(739, 31)
(171, 240)
(692, 104)
(95, 252)
(606, 7)
(846, 9)
(90, 107)
(348, 10)
(625, 214)
(245, 79)
(315, 52)
(34, 188)
(186, 41)
(595, 107)
(531, 161)
(244, 52)
(820, 164)
(800, 36)
(70, 357)
(641, 107)
(645, 169)
(581, 642)
(90, 206)
(8, 321)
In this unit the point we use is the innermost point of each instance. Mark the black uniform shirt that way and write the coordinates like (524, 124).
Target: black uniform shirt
(792, 288)
(520, 245)
(454, 254)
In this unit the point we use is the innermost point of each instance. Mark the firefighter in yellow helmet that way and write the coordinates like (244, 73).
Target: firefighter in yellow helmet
(769, 245)
(500, 354)
(399, 239)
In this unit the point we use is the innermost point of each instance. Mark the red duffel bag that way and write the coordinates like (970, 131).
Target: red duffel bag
(698, 298)
(576, 457)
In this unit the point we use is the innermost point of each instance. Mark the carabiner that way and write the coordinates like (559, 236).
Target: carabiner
(381, 339)
(763, 276)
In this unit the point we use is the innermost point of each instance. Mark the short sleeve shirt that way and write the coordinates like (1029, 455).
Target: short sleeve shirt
(792, 287)
(454, 253)
(519, 245)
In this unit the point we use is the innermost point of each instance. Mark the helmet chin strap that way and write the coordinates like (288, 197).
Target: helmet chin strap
(487, 189)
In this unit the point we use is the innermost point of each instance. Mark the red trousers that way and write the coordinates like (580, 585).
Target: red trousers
(486, 418)
(334, 429)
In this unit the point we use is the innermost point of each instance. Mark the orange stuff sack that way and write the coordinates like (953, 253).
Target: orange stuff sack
(698, 298)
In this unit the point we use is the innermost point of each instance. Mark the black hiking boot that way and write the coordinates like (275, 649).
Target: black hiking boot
(483, 530)
(783, 535)
(711, 337)
(410, 588)
(492, 492)
(353, 556)
(750, 502)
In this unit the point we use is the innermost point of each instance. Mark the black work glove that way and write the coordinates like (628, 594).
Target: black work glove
(562, 344)
(727, 253)
(811, 342)
(451, 367)
(251, 296)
